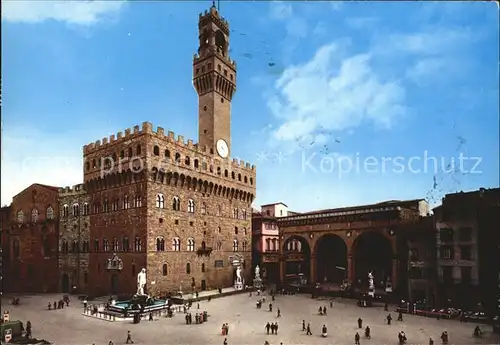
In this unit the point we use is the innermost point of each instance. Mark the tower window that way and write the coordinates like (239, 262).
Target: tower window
(225, 72)
(231, 77)
(197, 71)
(209, 65)
(219, 68)
(205, 109)
(202, 69)
(222, 100)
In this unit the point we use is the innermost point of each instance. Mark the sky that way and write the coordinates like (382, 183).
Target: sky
(337, 103)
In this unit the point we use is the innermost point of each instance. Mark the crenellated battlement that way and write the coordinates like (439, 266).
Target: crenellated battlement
(242, 164)
(78, 188)
(231, 62)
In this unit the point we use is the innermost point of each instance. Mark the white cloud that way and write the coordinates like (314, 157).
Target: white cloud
(31, 156)
(72, 12)
(333, 93)
(360, 23)
(280, 10)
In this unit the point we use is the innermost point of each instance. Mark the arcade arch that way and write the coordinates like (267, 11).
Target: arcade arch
(331, 259)
(372, 251)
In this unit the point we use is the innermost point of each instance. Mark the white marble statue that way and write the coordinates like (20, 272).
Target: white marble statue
(371, 284)
(257, 271)
(238, 275)
(141, 281)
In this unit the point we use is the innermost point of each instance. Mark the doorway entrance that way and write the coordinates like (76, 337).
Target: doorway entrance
(114, 284)
(65, 283)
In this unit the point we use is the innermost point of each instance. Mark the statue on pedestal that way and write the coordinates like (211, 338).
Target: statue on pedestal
(257, 271)
(371, 279)
(238, 275)
(141, 282)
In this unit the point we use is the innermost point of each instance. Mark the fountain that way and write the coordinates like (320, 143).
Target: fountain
(140, 302)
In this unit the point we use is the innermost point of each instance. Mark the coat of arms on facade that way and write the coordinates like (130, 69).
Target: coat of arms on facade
(114, 263)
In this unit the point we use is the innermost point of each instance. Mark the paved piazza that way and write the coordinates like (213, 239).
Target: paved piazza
(246, 324)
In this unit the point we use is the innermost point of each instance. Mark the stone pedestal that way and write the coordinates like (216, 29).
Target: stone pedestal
(257, 282)
(238, 285)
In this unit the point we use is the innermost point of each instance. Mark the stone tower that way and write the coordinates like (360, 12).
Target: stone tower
(214, 78)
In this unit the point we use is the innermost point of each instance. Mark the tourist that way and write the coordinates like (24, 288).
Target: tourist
(368, 333)
(50, 306)
(324, 310)
(268, 327)
(129, 338)
(324, 332)
(28, 329)
(331, 304)
(320, 311)
(275, 328)
(55, 305)
(356, 339)
(223, 329)
(360, 323)
(85, 304)
(386, 307)
(227, 329)
(270, 307)
(303, 325)
(308, 329)
(279, 313)
(444, 337)
(225, 341)
(110, 343)
(431, 341)
(151, 317)
(389, 319)
(400, 316)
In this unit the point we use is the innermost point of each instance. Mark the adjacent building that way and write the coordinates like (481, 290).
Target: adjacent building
(179, 209)
(331, 247)
(266, 240)
(74, 239)
(30, 240)
(467, 226)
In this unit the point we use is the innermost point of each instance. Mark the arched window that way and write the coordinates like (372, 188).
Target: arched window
(125, 244)
(235, 245)
(203, 208)
(85, 247)
(236, 230)
(137, 244)
(138, 201)
(165, 269)
(219, 211)
(188, 268)
(187, 161)
(126, 203)
(239, 177)
(245, 179)
(251, 181)
(160, 244)
(160, 201)
(96, 245)
(196, 164)
(116, 204)
(86, 209)
(176, 204)
(203, 245)
(219, 230)
(34, 215)
(191, 206)
(167, 154)
(226, 173)
(105, 206)
(116, 245)
(105, 245)
(219, 245)
(235, 213)
(130, 153)
(275, 244)
(243, 214)
(16, 250)
(176, 244)
(190, 245)
(138, 150)
(156, 150)
(97, 207)
(202, 268)
(76, 210)
(244, 246)
(245, 231)
(268, 244)
(49, 213)
(64, 246)
(233, 175)
(178, 157)
(74, 247)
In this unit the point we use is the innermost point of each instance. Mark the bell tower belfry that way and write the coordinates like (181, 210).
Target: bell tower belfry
(214, 78)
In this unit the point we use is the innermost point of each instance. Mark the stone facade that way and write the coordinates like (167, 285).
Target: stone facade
(74, 238)
(30, 233)
(181, 210)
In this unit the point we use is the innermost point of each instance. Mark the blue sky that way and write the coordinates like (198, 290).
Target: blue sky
(321, 86)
